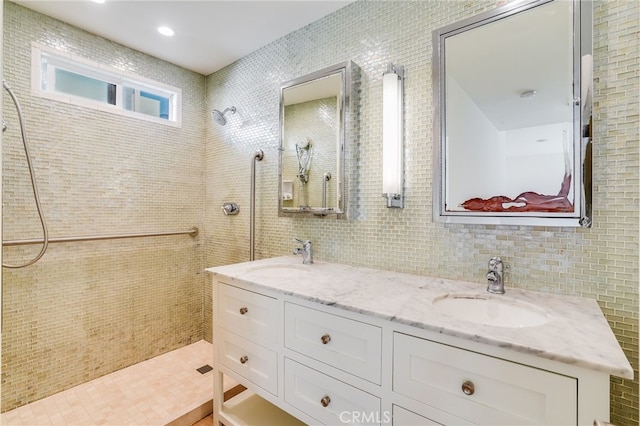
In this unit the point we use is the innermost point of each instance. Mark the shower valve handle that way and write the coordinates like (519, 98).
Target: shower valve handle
(230, 208)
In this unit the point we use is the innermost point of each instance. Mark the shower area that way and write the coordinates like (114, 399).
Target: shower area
(91, 306)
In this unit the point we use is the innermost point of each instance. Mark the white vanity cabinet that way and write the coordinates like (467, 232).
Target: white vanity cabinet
(305, 361)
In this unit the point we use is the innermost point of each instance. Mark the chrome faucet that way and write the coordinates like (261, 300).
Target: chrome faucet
(306, 251)
(495, 276)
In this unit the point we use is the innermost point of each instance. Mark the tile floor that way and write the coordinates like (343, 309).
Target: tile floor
(165, 390)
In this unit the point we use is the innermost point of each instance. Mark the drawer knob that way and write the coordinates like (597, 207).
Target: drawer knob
(244, 359)
(244, 310)
(325, 401)
(325, 339)
(468, 388)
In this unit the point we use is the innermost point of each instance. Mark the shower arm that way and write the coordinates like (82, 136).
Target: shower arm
(257, 156)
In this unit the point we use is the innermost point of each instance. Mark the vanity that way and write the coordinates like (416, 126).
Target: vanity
(333, 344)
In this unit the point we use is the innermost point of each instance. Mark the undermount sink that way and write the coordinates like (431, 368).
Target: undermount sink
(498, 311)
(278, 270)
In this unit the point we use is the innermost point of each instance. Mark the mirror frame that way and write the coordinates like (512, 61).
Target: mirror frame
(349, 72)
(582, 126)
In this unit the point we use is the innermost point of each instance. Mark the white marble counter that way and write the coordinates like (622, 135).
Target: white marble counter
(576, 332)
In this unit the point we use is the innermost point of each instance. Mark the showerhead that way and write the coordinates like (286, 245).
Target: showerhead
(218, 116)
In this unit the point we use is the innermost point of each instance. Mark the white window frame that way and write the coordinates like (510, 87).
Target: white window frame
(73, 63)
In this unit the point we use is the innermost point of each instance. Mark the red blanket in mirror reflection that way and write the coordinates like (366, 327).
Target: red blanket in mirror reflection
(525, 202)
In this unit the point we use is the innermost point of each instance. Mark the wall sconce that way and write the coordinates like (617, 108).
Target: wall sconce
(393, 136)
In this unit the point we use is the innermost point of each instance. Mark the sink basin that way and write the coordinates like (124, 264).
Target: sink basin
(278, 270)
(498, 311)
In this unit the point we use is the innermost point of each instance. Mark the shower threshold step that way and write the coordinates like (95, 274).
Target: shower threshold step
(164, 390)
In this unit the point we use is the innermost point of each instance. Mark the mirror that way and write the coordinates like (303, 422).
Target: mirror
(314, 112)
(512, 95)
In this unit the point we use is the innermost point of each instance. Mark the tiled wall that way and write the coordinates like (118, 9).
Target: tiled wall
(601, 262)
(89, 308)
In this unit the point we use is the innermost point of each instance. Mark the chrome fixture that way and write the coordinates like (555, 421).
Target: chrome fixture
(257, 156)
(306, 251)
(230, 209)
(218, 116)
(495, 276)
(45, 230)
(325, 178)
(304, 152)
(392, 136)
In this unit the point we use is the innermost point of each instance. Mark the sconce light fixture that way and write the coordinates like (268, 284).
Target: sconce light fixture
(392, 136)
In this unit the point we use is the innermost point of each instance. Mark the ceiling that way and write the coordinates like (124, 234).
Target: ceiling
(209, 34)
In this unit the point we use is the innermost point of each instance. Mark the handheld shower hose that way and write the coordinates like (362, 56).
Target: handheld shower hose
(45, 231)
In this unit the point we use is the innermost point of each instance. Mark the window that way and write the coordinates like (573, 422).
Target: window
(74, 80)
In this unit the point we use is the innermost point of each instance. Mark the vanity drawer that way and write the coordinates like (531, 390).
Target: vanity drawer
(250, 360)
(349, 345)
(326, 399)
(248, 314)
(402, 417)
(480, 388)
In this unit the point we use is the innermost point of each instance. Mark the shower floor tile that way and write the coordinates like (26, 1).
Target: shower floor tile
(165, 390)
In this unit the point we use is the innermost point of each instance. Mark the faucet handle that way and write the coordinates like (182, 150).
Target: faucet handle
(306, 251)
(495, 264)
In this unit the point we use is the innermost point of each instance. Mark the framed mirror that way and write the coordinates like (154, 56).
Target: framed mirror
(513, 98)
(314, 121)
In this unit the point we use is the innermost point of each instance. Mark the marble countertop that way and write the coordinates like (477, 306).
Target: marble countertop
(576, 332)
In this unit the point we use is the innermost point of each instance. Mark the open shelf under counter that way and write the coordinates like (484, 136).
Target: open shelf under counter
(249, 409)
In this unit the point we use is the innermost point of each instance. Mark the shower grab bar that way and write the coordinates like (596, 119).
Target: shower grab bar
(193, 232)
(257, 156)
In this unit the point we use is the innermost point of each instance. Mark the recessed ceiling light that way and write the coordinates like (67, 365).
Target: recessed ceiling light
(165, 31)
(528, 94)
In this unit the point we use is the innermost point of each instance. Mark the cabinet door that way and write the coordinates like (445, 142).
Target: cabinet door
(352, 346)
(479, 388)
